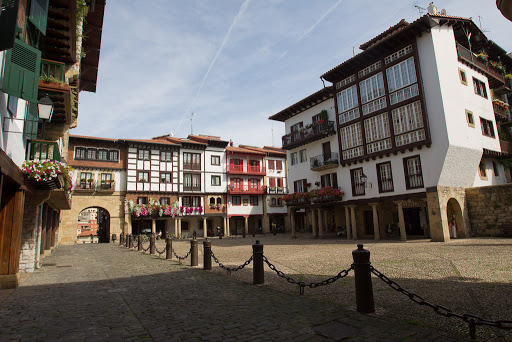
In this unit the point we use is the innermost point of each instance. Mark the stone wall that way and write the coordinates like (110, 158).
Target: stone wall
(113, 203)
(439, 208)
(489, 207)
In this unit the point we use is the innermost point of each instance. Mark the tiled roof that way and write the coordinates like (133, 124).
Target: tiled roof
(90, 137)
(401, 24)
(151, 141)
(300, 106)
(265, 150)
(241, 150)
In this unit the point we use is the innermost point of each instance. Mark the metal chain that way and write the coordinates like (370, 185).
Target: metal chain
(442, 310)
(302, 285)
(159, 252)
(230, 269)
(181, 258)
(144, 250)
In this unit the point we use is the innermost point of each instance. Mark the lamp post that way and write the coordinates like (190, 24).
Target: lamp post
(45, 109)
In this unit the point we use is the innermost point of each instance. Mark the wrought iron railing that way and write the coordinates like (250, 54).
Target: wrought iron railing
(470, 57)
(324, 160)
(52, 71)
(309, 133)
(43, 150)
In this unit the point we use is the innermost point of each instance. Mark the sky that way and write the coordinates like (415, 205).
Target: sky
(234, 63)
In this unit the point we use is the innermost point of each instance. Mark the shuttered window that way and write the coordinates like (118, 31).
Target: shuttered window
(39, 14)
(31, 121)
(9, 16)
(21, 71)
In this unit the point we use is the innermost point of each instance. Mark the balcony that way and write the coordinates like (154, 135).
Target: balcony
(192, 167)
(191, 187)
(506, 147)
(500, 110)
(324, 162)
(496, 78)
(245, 189)
(43, 150)
(308, 134)
(85, 186)
(272, 190)
(246, 170)
(106, 186)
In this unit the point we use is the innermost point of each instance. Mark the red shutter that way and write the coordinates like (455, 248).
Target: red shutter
(279, 182)
(279, 165)
(272, 182)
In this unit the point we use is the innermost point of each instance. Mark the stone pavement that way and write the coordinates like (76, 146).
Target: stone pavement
(103, 292)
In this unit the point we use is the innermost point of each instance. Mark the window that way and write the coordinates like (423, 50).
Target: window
(407, 118)
(215, 160)
(236, 200)
(330, 179)
(102, 155)
(462, 77)
(470, 118)
(279, 182)
(487, 127)
(296, 127)
(358, 187)
(272, 182)
(91, 153)
(279, 202)
(166, 156)
(143, 155)
(413, 174)
(219, 200)
(191, 201)
(347, 99)
(114, 155)
(192, 161)
(481, 170)
(372, 88)
(279, 165)
(80, 152)
(12, 105)
(254, 184)
(479, 87)
(495, 168)
(212, 200)
(215, 180)
(253, 200)
(143, 176)
(300, 185)
(85, 180)
(271, 165)
(294, 158)
(142, 200)
(106, 177)
(404, 94)
(191, 181)
(400, 53)
(165, 177)
(165, 200)
(235, 184)
(401, 75)
(303, 156)
(273, 201)
(385, 177)
(351, 141)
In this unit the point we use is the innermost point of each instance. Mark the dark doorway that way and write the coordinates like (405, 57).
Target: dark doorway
(412, 221)
(326, 149)
(368, 222)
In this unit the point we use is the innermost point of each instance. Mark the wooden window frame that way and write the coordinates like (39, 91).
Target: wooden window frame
(215, 160)
(463, 77)
(252, 201)
(116, 159)
(470, 118)
(165, 174)
(214, 183)
(140, 175)
(479, 87)
(358, 185)
(380, 180)
(163, 156)
(144, 200)
(168, 200)
(408, 176)
(141, 154)
(239, 200)
(482, 171)
(487, 128)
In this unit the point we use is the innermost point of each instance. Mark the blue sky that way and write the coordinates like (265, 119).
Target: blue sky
(234, 62)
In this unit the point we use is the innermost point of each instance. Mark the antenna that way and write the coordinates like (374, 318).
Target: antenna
(480, 22)
(420, 9)
(191, 129)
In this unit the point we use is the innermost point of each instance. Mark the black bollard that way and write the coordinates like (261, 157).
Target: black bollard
(113, 238)
(121, 237)
(130, 245)
(193, 253)
(168, 248)
(127, 239)
(139, 243)
(258, 275)
(152, 246)
(207, 255)
(363, 280)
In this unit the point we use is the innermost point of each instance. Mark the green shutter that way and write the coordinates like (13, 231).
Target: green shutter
(8, 18)
(39, 14)
(21, 71)
(31, 121)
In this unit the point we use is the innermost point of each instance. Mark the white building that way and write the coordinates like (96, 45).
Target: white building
(415, 125)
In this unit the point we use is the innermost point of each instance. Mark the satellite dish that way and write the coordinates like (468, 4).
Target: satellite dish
(443, 11)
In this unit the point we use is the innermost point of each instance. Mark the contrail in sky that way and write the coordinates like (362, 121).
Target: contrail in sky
(224, 41)
(313, 26)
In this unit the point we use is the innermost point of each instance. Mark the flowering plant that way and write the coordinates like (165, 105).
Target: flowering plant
(47, 170)
(153, 207)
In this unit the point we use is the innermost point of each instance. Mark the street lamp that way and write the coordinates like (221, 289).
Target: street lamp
(45, 109)
(364, 181)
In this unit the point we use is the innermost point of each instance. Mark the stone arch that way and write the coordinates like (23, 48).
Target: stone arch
(102, 221)
(113, 204)
(454, 216)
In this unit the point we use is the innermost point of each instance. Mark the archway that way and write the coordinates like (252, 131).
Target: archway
(93, 225)
(455, 219)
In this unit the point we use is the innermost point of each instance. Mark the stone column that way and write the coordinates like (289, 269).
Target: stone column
(205, 229)
(321, 223)
(401, 220)
(128, 225)
(354, 223)
(376, 230)
(228, 232)
(179, 227)
(347, 223)
(292, 220)
(153, 226)
(48, 234)
(314, 222)
(246, 225)
(265, 223)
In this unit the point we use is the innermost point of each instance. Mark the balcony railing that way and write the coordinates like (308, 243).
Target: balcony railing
(86, 186)
(309, 133)
(324, 161)
(506, 147)
(192, 166)
(43, 150)
(359, 189)
(482, 65)
(386, 184)
(273, 190)
(244, 169)
(107, 186)
(191, 187)
(500, 111)
(414, 181)
(52, 71)
(246, 189)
